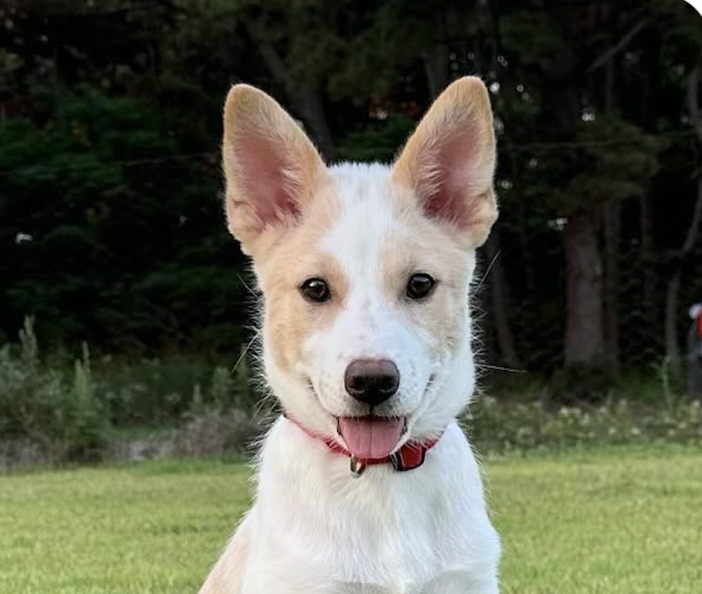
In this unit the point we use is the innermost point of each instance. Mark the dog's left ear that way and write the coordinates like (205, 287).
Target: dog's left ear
(449, 161)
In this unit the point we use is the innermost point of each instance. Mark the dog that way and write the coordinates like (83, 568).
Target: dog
(366, 483)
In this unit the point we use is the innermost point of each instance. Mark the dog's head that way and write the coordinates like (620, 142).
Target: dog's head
(365, 269)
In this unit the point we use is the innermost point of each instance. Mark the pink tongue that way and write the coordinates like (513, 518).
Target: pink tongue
(371, 437)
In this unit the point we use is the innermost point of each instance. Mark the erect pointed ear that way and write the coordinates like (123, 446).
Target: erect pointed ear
(449, 161)
(272, 169)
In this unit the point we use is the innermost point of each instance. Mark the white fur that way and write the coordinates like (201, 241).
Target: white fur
(371, 325)
(314, 529)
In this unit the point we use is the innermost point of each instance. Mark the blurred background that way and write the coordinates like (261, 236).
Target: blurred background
(126, 307)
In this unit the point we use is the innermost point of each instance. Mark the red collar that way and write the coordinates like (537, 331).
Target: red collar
(410, 456)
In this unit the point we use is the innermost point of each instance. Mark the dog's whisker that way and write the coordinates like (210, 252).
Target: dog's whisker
(244, 351)
(499, 368)
(247, 287)
(268, 402)
(487, 271)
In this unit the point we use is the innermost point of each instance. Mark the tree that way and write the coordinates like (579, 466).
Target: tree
(110, 129)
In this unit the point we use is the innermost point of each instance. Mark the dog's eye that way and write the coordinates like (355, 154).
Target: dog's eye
(420, 285)
(315, 290)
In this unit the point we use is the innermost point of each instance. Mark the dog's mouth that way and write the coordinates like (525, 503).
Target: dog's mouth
(371, 436)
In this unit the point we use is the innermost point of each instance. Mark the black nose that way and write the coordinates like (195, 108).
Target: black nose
(372, 380)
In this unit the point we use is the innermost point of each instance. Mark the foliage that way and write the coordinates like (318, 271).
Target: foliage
(378, 142)
(42, 404)
(111, 225)
(76, 413)
(499, 427)
(79, 194)
(78, 409)
(606, 172)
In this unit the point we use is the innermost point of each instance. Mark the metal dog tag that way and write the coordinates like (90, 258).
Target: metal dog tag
(356, 467)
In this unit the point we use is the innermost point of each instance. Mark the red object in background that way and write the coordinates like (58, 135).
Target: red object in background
(699, 324)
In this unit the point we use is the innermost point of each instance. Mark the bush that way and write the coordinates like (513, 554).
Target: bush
(498, 427)
(59, 411)
(229, 390)
(51, 411)
(216, 433)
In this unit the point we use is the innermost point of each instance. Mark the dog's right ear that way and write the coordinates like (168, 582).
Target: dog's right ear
(272, 169)
(449, 161)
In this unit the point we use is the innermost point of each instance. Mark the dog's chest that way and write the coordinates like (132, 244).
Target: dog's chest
(409, 551)
(384, 533)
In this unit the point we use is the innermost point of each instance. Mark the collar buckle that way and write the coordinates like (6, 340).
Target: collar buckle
(356, 467)
(409, 458)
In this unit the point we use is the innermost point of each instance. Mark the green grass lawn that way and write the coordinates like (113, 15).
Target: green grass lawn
(617, 521)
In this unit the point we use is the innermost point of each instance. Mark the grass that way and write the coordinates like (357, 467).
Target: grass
(617, 521)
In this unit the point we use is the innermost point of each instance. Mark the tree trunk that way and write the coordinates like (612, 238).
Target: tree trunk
(499, 302)
(672, 347)
(611, 215)
(672, 305)
(585, 354)
(647, 260)
(612, 227)
(308, 102)
(305, 95)
(521, 214)
(649, 94)
(584, 340)
(435, 60)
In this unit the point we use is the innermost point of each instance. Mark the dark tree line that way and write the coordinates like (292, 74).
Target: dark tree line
(110, 216)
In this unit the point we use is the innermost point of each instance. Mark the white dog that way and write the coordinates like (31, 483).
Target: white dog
(366, 483)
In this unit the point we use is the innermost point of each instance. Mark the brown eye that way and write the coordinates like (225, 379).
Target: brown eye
(315, 290)
(419, 286)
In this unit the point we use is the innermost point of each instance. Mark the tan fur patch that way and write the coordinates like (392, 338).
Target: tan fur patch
(289, 319)
(427, 248)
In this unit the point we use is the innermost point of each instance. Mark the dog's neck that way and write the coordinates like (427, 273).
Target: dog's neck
(408, 457)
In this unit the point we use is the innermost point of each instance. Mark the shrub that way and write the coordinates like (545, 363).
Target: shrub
(60, 411)
(215, 433)
(497, 426)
